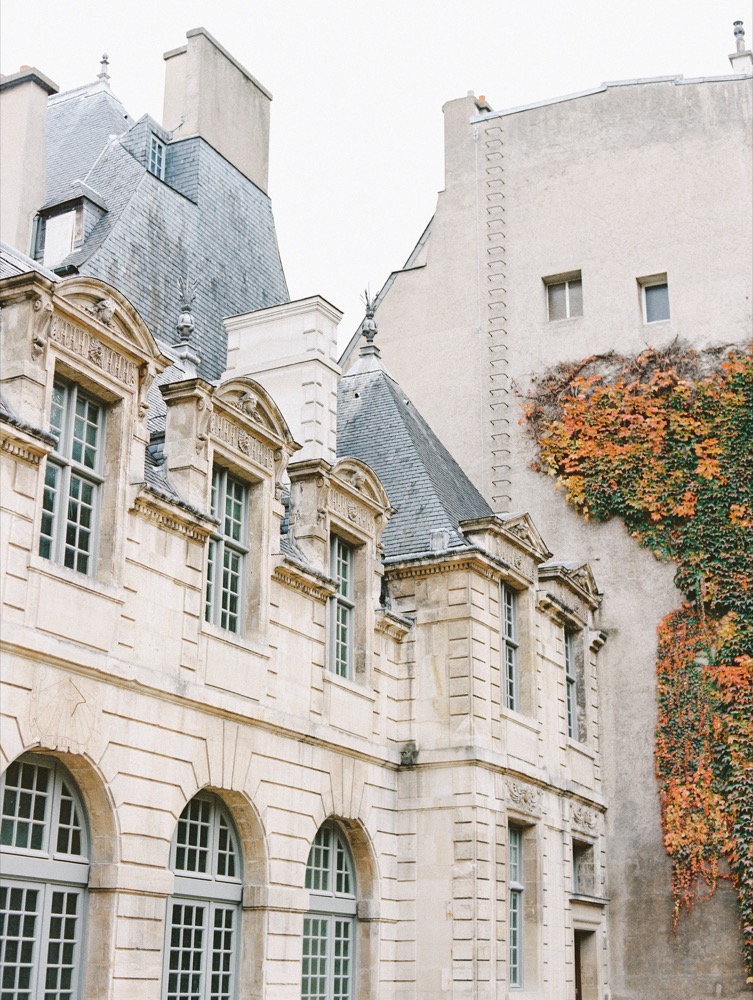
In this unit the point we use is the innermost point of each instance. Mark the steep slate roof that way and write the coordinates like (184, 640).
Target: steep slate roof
(79, 123)
(378, 424)
(205, 223)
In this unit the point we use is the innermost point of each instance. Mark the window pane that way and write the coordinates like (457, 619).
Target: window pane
(19, 926)
(58, 238)
(61, 945)
(185, 963)
(317, 869)
(575, 297)
(657, 303)
(222, 960)
(557, 301)
(25, 805)
(314, 965)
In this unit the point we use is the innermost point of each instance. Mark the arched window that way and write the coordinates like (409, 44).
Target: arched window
(329, 927)
(44, 856)
(203, 915)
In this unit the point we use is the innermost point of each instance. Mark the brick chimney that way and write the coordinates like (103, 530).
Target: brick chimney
(220, 101)
(23, 161)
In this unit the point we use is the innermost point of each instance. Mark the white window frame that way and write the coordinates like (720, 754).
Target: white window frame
(157, 157)
(566, 281)
(571, 685)
(58, 878)
(213, 895)
(510, 632)
(66, 474)
(227, 553)
(342, 607)
(515, 914)
(328, 946)
(654, 281)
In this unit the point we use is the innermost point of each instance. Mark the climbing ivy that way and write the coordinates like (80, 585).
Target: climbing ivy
(664, 440)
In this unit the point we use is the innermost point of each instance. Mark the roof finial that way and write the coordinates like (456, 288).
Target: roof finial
(185, 327)
(103, 75)
(369, 327)
(739, 33)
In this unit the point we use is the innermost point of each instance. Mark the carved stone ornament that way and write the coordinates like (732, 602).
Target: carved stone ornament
(248, 403)
(352, 511)
(95, 354)
(204, 406)
(104, 310)
(62, 717)
(147, 373)
(584, 819)
(43, 317)
(526, 798)
(358, 479)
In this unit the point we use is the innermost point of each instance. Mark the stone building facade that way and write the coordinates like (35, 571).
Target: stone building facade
(610, 220)
(288, 710)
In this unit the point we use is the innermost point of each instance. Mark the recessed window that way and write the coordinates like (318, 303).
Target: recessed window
(571, 683)
(328, 953)
(73, 479)
(515, 888)
(201, 944)
(583, 869)
(655, 296)
(45, 865)
(60, 234)
(510, 645)
(157, 158)
(342, 607)
(228, 550)
(564, 297)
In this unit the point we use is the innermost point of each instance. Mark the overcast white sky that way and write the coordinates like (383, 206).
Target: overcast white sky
(358, 86)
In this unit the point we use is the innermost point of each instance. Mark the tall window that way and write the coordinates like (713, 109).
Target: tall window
(342, 607)
(203, 915)
(226, 564)
(515, 906)
(327, 971)
(564, 298)
(45, 866)
(571, 683)
(509, 601)
(73, 479)
(157, 158)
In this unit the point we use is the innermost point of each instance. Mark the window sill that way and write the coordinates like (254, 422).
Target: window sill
(581, 748)
(235, 639)
(510, 715)
(81, 581)
(348, 684)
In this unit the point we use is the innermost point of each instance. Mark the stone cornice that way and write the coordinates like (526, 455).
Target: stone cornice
(26, 444)
(293, 575)
(391, 624)
(172, 517)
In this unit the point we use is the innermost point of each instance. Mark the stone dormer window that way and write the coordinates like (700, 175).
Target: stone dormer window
(157, 157)
(342, 607)
(228, 550)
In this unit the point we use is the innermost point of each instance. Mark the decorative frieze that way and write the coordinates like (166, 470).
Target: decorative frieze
(584, 819)
(82, 343)
(231, 433)
(348, 509)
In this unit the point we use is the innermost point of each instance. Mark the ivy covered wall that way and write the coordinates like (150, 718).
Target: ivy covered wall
(664, 440)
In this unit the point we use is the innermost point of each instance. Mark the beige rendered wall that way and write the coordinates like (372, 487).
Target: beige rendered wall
(220, 101)
(630, 181)
(23, 117)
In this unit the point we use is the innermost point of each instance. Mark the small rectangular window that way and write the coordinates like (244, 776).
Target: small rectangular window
(228, 549)
(583, 869)
(73, 479)
(59, 237)
(511, 677)
(564, 297)
(654, 290)
(571, 683)
(342, 607)
(157, 158)
(515, 889)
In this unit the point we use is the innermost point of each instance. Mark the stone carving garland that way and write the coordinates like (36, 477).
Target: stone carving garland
(525, 797)
(584, 819)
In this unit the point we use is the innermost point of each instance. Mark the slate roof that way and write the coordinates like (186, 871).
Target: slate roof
(79, 123)
(13, 262)
(377, 423)
(206, 222)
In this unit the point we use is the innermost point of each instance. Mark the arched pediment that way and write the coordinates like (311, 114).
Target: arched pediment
(363, 480)
(112, 310)
(252, 402)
